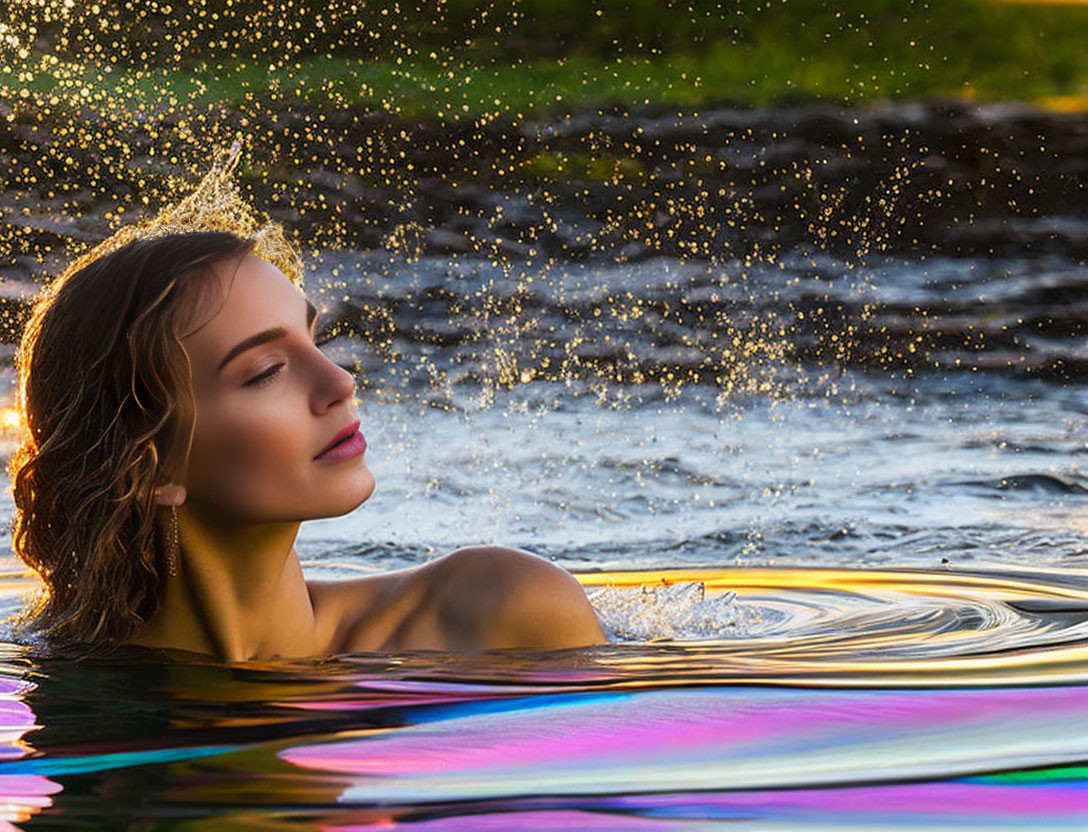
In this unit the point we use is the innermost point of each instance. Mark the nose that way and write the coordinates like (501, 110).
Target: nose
(334, 383)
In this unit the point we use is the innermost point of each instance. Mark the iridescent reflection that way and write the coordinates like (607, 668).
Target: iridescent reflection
(970, 709)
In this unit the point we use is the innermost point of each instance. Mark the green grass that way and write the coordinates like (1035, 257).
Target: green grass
(636, 53)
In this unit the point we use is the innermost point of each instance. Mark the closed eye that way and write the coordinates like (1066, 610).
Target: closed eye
(320, 338)
(264, 377)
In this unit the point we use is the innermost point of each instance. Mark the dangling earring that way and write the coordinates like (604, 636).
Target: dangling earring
(174, 544)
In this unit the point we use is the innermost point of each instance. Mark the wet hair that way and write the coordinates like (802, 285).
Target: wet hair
(105, 396)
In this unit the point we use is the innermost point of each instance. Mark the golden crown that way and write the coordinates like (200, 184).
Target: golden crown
(215, 205)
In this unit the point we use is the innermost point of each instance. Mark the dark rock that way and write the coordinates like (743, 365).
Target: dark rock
(443, 240)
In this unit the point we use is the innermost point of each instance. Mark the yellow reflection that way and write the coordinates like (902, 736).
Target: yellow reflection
(873, 628)
(11, 422)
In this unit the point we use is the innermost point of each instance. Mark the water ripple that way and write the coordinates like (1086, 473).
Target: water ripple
(864, 626)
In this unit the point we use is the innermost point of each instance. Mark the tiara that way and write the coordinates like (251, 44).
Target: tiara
(214, 205)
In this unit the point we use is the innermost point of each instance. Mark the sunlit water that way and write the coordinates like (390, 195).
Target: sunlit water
(809, 699)
(797, 391)
(854, 598)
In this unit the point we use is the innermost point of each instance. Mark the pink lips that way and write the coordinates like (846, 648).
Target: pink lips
(346, 444)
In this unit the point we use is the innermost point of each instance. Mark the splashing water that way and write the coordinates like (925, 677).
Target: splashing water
(680, 611)
(891, 698)
(721, 309)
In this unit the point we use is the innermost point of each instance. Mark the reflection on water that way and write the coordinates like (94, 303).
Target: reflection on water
(842, 698)
(939, 681)
(21, 794)
(863, 627)
(623, 337)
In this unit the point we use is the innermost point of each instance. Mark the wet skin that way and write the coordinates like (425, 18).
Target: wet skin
(263, 416)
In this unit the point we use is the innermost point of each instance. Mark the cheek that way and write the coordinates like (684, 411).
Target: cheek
(246, 448)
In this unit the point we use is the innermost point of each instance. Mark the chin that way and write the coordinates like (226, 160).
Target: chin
(352, 494)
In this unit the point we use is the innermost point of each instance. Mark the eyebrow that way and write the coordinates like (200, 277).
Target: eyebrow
(264, 337)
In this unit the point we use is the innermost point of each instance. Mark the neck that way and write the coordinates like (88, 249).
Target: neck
(239, 593)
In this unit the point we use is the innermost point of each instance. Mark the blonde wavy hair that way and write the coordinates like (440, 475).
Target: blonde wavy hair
(105, 395)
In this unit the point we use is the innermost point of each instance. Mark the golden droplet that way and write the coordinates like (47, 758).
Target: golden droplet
(214, 205)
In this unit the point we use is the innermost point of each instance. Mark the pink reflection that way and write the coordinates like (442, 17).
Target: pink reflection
(24, 795)
(952, 802)
(938, 799)
(21, 795)
(508, 821)
(16, 719)
(685, 726)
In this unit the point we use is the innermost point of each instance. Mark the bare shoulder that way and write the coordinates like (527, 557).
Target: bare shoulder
(362, 613)
(493, 597)
(474, 598)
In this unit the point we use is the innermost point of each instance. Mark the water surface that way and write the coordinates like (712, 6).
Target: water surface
(844, 589)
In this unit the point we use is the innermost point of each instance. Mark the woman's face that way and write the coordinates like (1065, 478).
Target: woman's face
(267, 406)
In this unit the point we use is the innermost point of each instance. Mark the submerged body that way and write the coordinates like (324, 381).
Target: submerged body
(472, 599)
(271, 408)
(169, 465)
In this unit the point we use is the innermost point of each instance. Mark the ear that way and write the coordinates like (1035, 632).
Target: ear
(170, 494)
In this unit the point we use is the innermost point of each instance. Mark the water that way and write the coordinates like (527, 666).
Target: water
(852, 699)
(844, 596)
(711, 307)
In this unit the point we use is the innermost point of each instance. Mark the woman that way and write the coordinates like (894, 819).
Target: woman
(181, 424)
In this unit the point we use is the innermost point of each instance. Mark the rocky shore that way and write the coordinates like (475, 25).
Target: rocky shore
(920, 181)
(908, 178)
